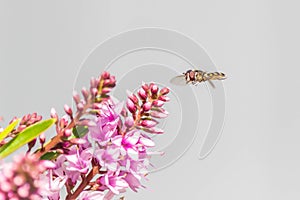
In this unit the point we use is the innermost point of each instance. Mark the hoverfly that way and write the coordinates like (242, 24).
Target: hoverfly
(197, 76)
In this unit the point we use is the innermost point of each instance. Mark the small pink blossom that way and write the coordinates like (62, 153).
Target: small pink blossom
(106, 123)
(115, 183)
(79, 161)
(91, 195)
(108, 158)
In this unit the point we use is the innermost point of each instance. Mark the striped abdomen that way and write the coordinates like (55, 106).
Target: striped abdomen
(215, 76)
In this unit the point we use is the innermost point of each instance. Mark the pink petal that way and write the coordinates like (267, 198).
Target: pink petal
(147, 142)
(134, 155)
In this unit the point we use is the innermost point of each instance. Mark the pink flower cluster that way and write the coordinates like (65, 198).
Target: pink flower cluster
(114, 155)
(98, 152)
(22, 179)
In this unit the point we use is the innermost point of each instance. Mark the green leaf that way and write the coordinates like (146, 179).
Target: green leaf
(50, 155)
(80, 131)
(8, 129)
(25, 136)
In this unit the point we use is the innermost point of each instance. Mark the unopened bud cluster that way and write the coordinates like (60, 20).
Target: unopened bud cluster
(26, 121)
(146, 108)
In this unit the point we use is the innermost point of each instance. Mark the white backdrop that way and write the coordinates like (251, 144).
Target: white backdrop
(44, 43)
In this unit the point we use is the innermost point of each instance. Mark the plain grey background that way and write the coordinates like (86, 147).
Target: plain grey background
(43, 44)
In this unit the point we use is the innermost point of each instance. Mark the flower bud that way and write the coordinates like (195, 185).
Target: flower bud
(105, 75)
(158, 114)
(148, 123)
(76, 97)
(129, 121)
(93, 83)
(164, 98)
(80, 106)
(106, 82)
(21, 128)
(97, 106)
(106, 90)
(78, 141)
(94, 92)
(34, 115)
(67, 132)
(153, 88)
(148, 142)
(63, 122)
(154, 130)
(85, 93)
(147, 106)
(38, 118)
(13, 119)
(68, 110)
(42, 138)
(25, 118)
(130, 105)
(132, 97)
(53, 114)
(164, 91)
(48, 164)
(142, 94)
(158, 103)
(145, 86)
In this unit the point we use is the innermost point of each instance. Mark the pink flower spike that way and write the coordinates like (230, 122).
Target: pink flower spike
(158, 103)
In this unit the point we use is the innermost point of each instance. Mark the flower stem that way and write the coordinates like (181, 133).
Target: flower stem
(57, 139)
(85, 182)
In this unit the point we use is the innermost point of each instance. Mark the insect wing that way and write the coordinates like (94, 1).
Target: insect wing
(178, 80)
(212, 84)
